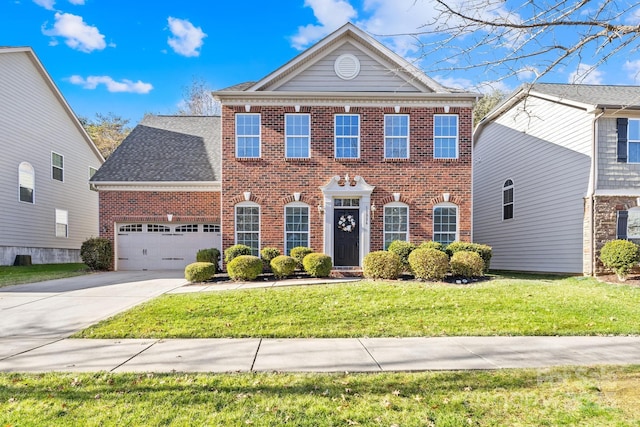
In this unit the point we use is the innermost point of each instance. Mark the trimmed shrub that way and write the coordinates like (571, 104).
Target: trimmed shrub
(483, 250)
(429, 263)
(466, 264)
(283, 266)
(299, 252)
(267, 254)
(382, 265)
(317, 264)
(402, 249)
(244, 267)
(97, 253)
(211, 255)
(432, 245)
(620, 256)
(199, 271)
(235, 251)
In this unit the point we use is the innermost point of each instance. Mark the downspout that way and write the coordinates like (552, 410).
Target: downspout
(592, 189)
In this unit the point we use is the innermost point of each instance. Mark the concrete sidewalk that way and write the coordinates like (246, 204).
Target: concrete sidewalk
(322, 355)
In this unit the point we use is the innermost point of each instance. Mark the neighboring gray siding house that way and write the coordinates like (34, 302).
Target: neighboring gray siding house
(556, 175)
(48, 208)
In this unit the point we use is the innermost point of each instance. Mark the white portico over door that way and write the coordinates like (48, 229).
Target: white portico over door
(354, 218)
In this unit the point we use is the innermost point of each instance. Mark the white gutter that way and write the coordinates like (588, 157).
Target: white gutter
(591, 190)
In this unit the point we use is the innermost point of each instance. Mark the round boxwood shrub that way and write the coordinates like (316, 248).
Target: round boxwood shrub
(211, 255)
(283, 266)
(244, 267)
(484, 251)
(199, 271)
(235, 251)
(97, 253)
(299, 252)
(620, 256)
(466, 264)
(267, 254)
(402, 249)
(431, 245)
(317, 264)
(382, 265)
(429, 263)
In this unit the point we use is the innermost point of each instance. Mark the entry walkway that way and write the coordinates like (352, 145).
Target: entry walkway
(37, 319)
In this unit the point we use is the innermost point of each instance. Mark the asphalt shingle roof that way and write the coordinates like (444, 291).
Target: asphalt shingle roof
(601, 95)
(167, 148)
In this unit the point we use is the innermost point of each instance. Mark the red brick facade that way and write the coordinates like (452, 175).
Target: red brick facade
(272, 179)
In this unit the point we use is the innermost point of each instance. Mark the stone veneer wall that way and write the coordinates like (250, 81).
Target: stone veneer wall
(605, 222)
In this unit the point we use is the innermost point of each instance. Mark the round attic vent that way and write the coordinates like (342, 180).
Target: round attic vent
(347, 66)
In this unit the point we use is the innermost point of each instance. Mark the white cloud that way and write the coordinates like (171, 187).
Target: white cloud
(47, 4)
(92, 82)
(77, 2)
(187, 39)
(633, 67)
(77, 33)
(586, 74)
(330, 15)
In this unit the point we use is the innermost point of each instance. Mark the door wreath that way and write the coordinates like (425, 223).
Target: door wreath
(347, 223)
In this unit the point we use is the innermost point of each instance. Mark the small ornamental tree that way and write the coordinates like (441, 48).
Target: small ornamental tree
(620, 256)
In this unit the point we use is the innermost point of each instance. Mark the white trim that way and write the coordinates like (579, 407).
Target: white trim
(457, 155)
(630, 192)
(33, 183)
(513, 198)
(347, 66)
(384, 220)
(384, 124)
(194, 186)
(360, 190)
(308, 232)
(54, 166)
(335, 135)
(235, 221)
(446, 205)
(286, 136)
(235, 131)
(61, 217)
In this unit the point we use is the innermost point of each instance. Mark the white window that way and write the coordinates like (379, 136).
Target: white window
(633, 140)
(297, 135)
(445, 136)
(445, 223)
(396, 223)
(347, 136)
(92, 171)
(62, 223)
(248, 226)
(396, 136)
(57, 167)
(248, 135)
(507, 200)
(26, 182)
(296, 226)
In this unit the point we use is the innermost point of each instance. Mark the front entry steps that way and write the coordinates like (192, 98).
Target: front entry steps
(340, 272)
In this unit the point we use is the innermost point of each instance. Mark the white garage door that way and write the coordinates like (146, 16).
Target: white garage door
(163, 246)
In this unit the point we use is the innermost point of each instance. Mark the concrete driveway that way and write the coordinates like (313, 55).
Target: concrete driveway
(36, 314)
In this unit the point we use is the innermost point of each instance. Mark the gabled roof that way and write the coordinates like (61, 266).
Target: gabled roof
(166, 149)
(54, 89)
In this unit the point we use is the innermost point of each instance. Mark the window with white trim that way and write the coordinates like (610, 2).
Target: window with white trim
(396, 223)
(507, 200)
(296, 218)
(57, 166)
(347, 136)
(633, 140)
(445, 136)
(297, 136)
(187, 228)
(248, 135)
(26, 182)
(62, 223)
(130, 228)
(396, 136)
(247, 226)
(158, 228)
(445, 223)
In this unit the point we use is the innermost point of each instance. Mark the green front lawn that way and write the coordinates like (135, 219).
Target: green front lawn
(506, 305)
(603, 396)
(10, 275)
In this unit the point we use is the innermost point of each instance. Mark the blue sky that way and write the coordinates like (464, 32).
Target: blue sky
(134, 57)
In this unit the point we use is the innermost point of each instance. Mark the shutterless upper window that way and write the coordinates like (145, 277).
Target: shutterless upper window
(445, 132)
(62, 223)
(396, 136)
(26, 182)
(347, 136)
(248, 135)
(248, 226)
(297, 135)
(507, 200)
(296, 227)
(396, 224)
(445, 224)
(57, 167)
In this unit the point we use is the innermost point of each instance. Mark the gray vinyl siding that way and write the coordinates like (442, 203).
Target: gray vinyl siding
(545, 149)
(34, 123)
(374, 76)
(613, 175)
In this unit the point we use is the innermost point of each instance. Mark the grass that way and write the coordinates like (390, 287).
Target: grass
(604, 396)
(506, 305)
(10, 275)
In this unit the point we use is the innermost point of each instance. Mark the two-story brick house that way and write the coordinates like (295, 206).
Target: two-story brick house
(345, 148)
